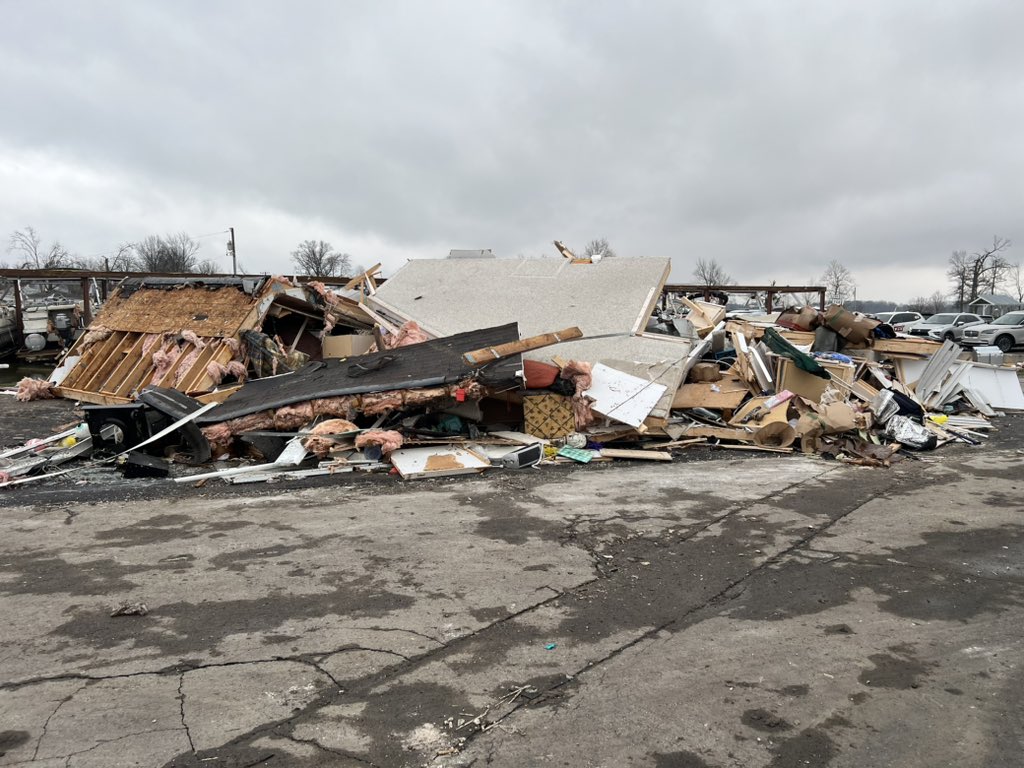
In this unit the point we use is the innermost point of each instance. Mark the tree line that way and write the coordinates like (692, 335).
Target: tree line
(970, 275)
(176, 252)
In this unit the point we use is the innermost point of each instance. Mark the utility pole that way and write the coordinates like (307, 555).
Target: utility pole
(231, 245)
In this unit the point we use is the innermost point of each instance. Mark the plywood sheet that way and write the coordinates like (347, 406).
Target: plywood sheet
(726, 394)
(207, 312)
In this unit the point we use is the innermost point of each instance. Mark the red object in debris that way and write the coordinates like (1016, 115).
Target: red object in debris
(460, 395)
(539, 375)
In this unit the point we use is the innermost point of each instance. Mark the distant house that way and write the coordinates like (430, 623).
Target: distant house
(994, 304)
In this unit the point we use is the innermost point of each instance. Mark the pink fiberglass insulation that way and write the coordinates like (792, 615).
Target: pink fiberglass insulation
(319, 443)
(185, 368)
(96, 333)
(150, 340)
(163, 359)
(221, 436)
(579, 373)
(324, 292)
(409, 333)
(192, 338)
(34, 389)
(388, 440)
(216, 371)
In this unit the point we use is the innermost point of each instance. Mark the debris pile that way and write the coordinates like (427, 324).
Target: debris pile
(274, 381)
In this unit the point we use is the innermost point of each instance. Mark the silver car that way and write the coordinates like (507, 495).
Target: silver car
(949, 327)
(1005, 332)
(900, 320)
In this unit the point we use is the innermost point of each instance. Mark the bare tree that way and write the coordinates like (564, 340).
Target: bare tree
(929, 305)
(599, 247)
(839, 283)
(318, 258)
(959, 274)
(27, 246)
(710, 272)
(170, 253)
(986, 266)
(1015, 280)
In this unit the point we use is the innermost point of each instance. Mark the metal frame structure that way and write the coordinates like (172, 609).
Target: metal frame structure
(771, 291)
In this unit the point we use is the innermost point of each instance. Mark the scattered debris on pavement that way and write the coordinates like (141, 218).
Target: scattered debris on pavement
(542, 361)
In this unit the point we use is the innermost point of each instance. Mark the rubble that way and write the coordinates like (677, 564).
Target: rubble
(258, 374)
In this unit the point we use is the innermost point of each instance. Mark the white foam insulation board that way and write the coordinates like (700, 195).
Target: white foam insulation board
(612, 298)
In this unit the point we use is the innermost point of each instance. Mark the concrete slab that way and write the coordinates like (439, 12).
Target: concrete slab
(748, 611)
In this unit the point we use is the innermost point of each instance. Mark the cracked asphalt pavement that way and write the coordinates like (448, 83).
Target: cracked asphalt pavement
(735, 610)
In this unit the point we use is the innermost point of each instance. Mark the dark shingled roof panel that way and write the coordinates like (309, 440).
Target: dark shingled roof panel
(428, 364)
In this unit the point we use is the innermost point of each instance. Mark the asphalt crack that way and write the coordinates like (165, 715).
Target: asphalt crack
(181, 706)
(46, 724)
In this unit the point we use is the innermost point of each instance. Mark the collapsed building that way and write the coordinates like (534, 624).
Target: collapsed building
(454, 366)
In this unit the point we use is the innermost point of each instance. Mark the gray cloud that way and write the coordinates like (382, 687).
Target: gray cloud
(771, 136)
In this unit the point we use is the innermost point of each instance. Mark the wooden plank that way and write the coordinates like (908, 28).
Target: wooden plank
(92, 355)
(677, 443)
(102, 369)
(219, 396)
(907, 346)
(722, 433)
(647, 455)
(486, 355)
(651, 303)
(138, 374)
(198, 379)
(769, 449)
(360, 278)
(127, 363)
(90, 397)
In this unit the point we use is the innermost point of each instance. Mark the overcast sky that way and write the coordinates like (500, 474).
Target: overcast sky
(771, 136)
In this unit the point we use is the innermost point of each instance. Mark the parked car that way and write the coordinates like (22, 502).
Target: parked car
(1005, 332)
(946, 325)
(900, 320)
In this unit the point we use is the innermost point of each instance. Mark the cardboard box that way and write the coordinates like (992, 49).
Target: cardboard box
(807, 385)
(346, 346)
(854, 327)
(799, 318)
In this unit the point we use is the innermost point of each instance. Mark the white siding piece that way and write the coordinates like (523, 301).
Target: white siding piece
(999, 386)
(621, 396)
(931, 379)
(437, 461)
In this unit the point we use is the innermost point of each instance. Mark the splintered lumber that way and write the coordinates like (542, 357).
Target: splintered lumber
(769, 449)
(486, 355)
(219, 395)
(704, 315)
(624, 453)
(676, 443)
(922, 347)
(564, 250)
(721, 433)
(365, 277)
(726, 394)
